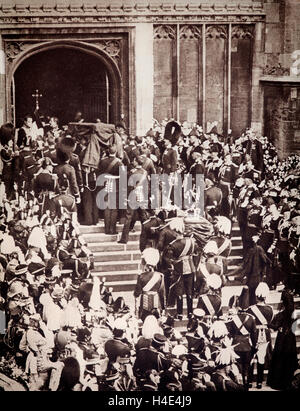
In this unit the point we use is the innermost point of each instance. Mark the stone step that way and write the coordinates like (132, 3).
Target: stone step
(99, 228)
(117, 256)
(109, 246)
(117, 277)
(119, 266)
(104, 238)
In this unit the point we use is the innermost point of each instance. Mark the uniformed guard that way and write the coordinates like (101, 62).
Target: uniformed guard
(150, 285)
(64, 167)
(210, 302)
(212, 198)
(242, 327)
(181, 256)
(150, 231)
(110, 167)
(137, 210)
(263, 314)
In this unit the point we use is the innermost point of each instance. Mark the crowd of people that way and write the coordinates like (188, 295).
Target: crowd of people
(65, 330)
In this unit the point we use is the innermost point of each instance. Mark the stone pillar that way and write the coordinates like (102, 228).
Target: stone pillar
(257, 72)
(144, 77)
(2, 83)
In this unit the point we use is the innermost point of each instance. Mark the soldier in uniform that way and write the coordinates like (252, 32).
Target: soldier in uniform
(152, 358)
(222, 227)
(150, 285)
(210, 302)
(180, 257)
(242, 327)
(150, 231)
(227, 175)
(44, 185)
(64, 168)
(263, 314)
(63, 203)
(110, 167)
(254, 219)
(138, 195)
(212, 198)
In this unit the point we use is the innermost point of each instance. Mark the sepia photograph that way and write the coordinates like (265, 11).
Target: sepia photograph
(150, 198)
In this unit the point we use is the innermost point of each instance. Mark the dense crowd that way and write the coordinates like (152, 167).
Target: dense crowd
(65, 330)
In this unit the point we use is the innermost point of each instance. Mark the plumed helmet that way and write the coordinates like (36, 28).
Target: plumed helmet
(172, 132)
(218, 330)
(120, 324)
(62, 339)
(177, 224)
(262, 290)
(151, 256)
(15, 288)
(214, 281)
(223, 225)
(179, 350)
(211, 248)
(8, 245)
(37, 238)
(226, 354)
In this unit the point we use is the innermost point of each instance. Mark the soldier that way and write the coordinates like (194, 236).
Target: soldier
(242, 327)
(180, 257)
(222, 227)
(152, 358)
(64, 168)
(138, 197)
(254, 219)
(150, 285)
(110, 167)
(44, 185)
(206, 267)
(150, 231)
(211, 301)
(263, 314)
(68, 145)
(227, 176)
(63, 203)
(212, 198)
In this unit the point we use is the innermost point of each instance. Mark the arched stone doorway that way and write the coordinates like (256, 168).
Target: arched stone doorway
(71, 77)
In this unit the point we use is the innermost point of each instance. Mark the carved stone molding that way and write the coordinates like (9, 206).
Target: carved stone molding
(216, 32)
(164, 32)
(190, 32)
(59, 19)
(107, 7)
(242, 32)
(276, 70)
(111, 47)
(12, 49)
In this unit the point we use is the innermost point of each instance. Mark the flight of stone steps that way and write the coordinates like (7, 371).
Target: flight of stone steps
(120, 263)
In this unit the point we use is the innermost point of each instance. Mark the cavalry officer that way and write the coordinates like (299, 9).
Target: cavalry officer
(150, 285)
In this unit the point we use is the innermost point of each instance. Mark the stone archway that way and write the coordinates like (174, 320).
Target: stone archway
(97, 53)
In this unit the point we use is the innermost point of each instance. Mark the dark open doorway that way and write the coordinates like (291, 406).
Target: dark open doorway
(69, 80)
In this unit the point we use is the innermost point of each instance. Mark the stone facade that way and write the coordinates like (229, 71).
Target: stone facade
(194, 60)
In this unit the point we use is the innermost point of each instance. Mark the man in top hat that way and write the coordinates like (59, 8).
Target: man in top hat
(242, 327)
(181, 256)
(110, 167)
(263, 314)
(150, 285)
